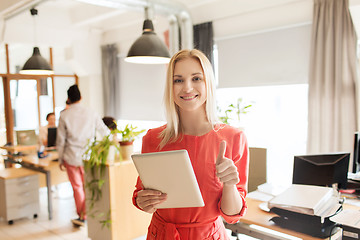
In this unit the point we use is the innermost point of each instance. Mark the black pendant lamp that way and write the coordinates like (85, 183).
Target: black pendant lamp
(36, 64)
(148, 48)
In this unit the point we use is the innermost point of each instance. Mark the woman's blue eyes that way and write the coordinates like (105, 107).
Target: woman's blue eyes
(180, 80)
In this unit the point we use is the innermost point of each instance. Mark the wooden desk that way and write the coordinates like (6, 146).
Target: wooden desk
(48, 163)
(34, 163)
(12, 152)
(261, 218)
(20, 148)
(40, 162)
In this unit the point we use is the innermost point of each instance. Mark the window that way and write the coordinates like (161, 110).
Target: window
(2, 119)
(46, 99)
(277, 121)
(24, 104)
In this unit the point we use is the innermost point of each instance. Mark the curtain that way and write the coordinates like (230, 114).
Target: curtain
(203, 39)
(111, 81)
(333, 77)
(43, 87)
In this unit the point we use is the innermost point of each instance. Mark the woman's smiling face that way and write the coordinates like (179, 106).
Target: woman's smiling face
(189, 85)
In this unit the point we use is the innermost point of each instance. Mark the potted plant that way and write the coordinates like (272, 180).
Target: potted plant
(97, 155)
(127, 137)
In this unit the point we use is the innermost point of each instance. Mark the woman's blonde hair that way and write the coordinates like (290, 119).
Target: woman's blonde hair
(173, 127)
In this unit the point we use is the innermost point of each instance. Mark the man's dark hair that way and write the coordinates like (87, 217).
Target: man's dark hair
(49, 114)
(110, 122)
(73, 93)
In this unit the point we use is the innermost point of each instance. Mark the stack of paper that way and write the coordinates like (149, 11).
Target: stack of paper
(266, 192)
(311, 200)
(348, 217)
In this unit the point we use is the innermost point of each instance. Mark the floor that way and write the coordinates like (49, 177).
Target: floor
(41, 228)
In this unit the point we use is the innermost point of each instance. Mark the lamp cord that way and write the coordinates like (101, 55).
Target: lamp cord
(35, 38)
(34, 12)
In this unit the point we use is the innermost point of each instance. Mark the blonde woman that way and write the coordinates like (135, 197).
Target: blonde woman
(218, 152)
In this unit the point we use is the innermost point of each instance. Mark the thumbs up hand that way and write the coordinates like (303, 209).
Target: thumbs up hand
(226, 170)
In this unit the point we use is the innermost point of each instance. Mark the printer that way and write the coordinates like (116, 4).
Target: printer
(307, 209)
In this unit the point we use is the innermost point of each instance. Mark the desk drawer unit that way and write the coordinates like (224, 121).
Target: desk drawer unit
(19, 194)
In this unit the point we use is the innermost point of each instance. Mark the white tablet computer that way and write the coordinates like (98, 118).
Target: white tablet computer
(170, 172)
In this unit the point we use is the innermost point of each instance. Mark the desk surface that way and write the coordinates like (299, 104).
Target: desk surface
(9, 173)
(19, 148)
(34, 160)
(40, 162)
(259, 217)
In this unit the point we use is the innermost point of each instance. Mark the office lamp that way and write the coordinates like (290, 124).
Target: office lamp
(148, 48)
(36, 64)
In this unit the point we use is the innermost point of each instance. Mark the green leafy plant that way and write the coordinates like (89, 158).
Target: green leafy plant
(95, 158)
(128, 133)
(233, 111)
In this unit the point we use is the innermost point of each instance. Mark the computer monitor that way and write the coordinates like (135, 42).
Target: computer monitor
(356, 153)
(26, 137)
(51, 138)
(321, 169)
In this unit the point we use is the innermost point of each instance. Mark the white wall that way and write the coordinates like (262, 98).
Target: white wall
(141, 91)
(86, 58)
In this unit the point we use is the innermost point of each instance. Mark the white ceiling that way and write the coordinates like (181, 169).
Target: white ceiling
(60, 22)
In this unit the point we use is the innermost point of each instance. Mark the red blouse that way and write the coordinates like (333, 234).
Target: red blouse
(203, 151)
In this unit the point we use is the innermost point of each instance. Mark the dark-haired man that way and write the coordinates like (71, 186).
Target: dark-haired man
(77, 125)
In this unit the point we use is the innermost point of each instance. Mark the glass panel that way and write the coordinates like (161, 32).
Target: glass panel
(46, 100)
(3, 140)
(24, 104)
(2, 117)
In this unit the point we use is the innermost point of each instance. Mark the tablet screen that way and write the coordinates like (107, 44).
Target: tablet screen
(170, 172)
